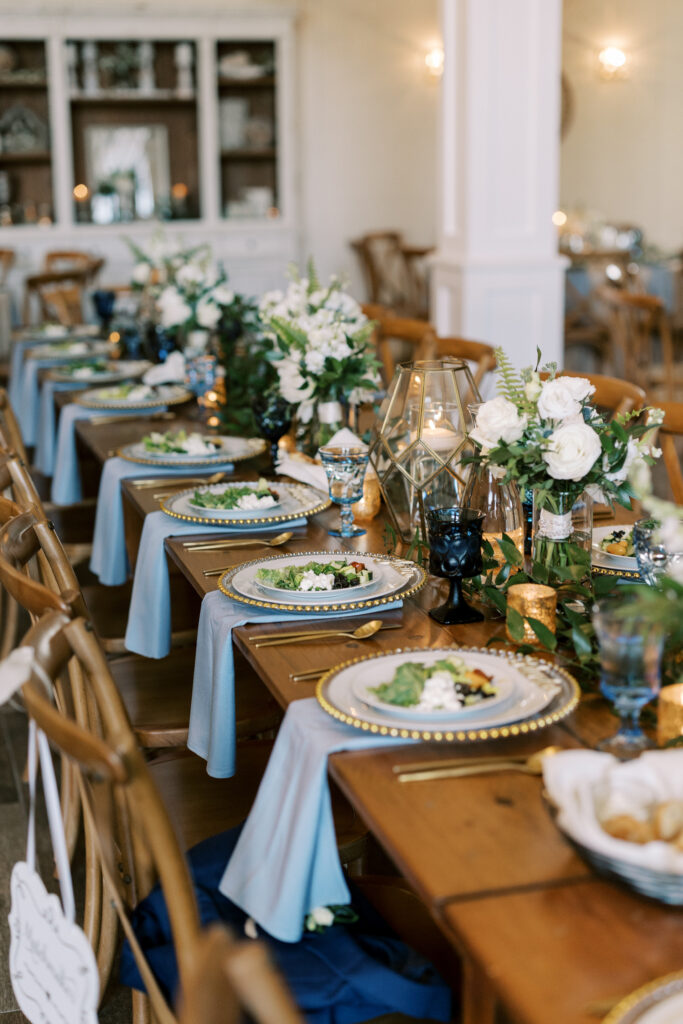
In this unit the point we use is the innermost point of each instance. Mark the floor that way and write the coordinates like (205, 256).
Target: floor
(13, 821)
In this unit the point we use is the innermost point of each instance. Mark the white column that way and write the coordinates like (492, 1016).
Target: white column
(496, 275)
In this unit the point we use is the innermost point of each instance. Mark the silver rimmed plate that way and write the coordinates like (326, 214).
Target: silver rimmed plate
(503, 676)
(107, 398)
(544, 695)
(659, 1002)
(116, 370)
(322, 596)
(228, 449)
(400, 578)
(604, 558)
(296, 501)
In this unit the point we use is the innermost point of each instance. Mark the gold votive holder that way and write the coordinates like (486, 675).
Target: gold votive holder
(670, 714)
(369, 505)
(534, 600)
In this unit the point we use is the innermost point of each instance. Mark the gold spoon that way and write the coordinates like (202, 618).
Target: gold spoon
(531, 765)
(215, 478)
(363, 632)
(276, 542)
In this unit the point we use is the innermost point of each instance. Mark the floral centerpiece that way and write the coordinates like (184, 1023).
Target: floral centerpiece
(195, 302)
(545, 435)
(322, 350)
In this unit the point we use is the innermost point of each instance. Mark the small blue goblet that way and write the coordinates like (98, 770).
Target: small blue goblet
(455, 539)
(345, 468)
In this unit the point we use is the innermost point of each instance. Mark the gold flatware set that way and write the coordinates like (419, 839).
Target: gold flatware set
(363, 632)
(461, 767)
(102, 421)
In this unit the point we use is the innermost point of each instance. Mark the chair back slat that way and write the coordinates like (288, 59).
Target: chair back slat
(670, 436)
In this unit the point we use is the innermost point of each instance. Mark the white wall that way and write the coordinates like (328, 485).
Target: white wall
(623, 155)
(366, 112)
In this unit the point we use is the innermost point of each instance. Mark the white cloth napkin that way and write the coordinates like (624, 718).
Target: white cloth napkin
(171, 371)
(313, 474)
(587, 787)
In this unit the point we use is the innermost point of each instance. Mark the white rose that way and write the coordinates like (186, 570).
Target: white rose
(190, 274)
(141, 272)
(223, 295)
(172, 308)
(208, 313)
(572, 451)
(314, 361)
(556, 401)
(496, 421)
(579, 388)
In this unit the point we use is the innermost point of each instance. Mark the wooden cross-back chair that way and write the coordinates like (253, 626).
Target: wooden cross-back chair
(617, 396)
(478, 353)
(635, 320)
(670, 432)
(7, 258)
(73, 259)
(10, 434)
(59, 295)
(397, 337)
(125, 815)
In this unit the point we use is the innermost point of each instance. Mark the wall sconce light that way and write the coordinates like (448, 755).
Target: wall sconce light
(434, 59)
(612, 62)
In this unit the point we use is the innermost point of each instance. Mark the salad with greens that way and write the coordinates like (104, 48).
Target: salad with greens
(84, 368)
(317, 576)
(449, 685)
(619, 542)
(245, 497)
(130, 392)
(180, 443)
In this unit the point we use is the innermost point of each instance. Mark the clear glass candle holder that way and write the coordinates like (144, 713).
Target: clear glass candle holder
(345, 468)
(630, 669)
(655, 557)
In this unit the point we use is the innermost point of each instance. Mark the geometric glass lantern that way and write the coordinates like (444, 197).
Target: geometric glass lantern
(420, 440)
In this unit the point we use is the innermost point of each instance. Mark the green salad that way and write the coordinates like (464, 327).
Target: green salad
(317, 576)
(241, 496)
(179, 442)
(133, 390)
(619, 542)
(448, 684)
(93, 365)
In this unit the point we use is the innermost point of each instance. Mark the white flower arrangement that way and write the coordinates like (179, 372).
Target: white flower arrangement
(322, 349)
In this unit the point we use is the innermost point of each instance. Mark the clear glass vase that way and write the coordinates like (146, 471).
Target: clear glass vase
(501, 506)
(562, 533)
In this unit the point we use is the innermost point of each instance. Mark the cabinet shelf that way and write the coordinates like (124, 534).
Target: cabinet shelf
(7, 83)
(265, 82)
(247, 154)
(35, 157)
(114, 99)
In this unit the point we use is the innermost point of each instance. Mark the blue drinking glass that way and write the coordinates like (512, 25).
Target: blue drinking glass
(455, 541)
(630, 668)
(345, 468)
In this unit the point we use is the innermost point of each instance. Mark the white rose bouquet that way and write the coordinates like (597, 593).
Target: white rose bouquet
(545, 435)
(322, 348)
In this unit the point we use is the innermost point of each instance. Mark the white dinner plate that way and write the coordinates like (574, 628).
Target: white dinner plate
(229, 449)
(228, 514)
(322, 595)
(604, 558)
(164, 394)
(296, 501)
(503, 677)
(540, 694)
(659, 1002)
(399, 579)
(117, 370)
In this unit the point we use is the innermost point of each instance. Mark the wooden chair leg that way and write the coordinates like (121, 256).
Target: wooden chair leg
(142, 1013)
(71, 806)
(106, 949)
(478, 998)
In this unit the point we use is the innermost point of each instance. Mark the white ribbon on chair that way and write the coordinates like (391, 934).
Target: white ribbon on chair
(52, 965)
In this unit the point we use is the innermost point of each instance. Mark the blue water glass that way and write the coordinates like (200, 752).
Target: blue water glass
(654, 558)
(630, 667)
(345, 468)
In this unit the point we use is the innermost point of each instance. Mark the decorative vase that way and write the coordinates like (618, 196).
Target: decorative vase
(562, 533)
(502, 509)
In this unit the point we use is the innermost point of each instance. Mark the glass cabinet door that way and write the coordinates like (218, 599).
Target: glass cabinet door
(247, 124)
(134, 130)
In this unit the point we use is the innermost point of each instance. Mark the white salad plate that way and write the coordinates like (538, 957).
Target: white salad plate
(163, 394)
(399, 578)
(659, 1002)
(323, 596)
(604, 558)
(504, 678)
(228, 514)
(295, 502)
(118, 370)
(536, 695)
(228, 449)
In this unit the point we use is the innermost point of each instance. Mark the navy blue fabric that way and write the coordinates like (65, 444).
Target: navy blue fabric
(347, 974)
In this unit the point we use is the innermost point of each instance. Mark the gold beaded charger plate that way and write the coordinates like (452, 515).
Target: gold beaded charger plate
(543, 694)
(227, 449)
(659, 1002)
(107, 398)
(399, 579)
(295, 501)
(115, 370)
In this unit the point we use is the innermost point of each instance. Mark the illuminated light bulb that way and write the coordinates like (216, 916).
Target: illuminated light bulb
(114, 337)
(179, 190)
(613, 272)
(559, 218)
(434, 60)
(612, 61)
(81, 192)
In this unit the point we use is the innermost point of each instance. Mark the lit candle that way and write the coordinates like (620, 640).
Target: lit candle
(535, 600)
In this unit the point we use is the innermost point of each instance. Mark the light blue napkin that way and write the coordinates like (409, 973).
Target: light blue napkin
(212, 715)
(66, 480)
(286, 861)
(27, 407)
(109, 559)
(149, 616)
(16, 367)
(46, 443)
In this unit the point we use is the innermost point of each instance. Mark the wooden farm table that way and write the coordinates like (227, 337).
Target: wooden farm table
(539, 932)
